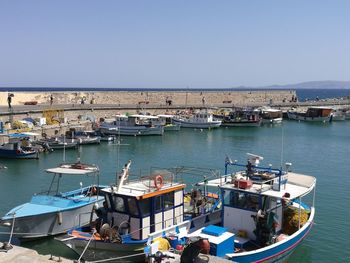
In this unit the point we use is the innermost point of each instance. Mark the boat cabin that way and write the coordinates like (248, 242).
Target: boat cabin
(243, 114)
(145, 205)
(202, 116)
(255, 200)
(318, 112)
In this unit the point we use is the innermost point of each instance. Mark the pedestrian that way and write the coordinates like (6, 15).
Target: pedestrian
(51, 99)
(9, 100)
(203, 101)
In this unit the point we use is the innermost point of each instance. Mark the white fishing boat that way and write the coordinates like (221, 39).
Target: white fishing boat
(52, 212)
(198, 120)
(270, 115)
(136, 208)
(313, 114)
(264, 215)
(134, 125)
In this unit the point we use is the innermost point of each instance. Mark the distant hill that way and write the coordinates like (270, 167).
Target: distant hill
(327, 84)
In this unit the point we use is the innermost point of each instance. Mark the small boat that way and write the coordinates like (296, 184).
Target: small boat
(242, 117)
(57, 143)
(136, 208)
(263, 215)
(270, 115)
(313, 114)
(338, 115)
(81, 137)
(18, 146)
(167, 121)
(134, 125)
(52, 212)
(103, 137)
(198, 120)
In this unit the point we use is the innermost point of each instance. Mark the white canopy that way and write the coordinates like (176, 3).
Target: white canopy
(73, 171)
(143, 116)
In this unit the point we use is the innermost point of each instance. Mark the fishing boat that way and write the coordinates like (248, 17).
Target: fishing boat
(264, 215)
(18, 146)
(242, 117)
(167, 121)
(81, 137)
(133, 209)
(57, 143)
(270, 115)
(134, 125)
(52, 212)
(198, 120)
(313, 114)
(103, 137)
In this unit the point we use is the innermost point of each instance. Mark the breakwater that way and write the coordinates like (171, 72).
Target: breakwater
(188, 98)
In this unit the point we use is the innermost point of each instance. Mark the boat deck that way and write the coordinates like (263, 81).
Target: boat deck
(296, 185)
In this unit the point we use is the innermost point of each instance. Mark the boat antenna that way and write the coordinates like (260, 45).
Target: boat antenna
(64, 148)
(282, 145)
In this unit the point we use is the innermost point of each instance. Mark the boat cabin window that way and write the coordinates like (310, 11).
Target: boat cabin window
(158, 204)
(168, 200)
(145, 206)
(133, 207)
(119, 204)
(241, 200)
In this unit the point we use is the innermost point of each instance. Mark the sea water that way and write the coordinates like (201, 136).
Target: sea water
(321, 150)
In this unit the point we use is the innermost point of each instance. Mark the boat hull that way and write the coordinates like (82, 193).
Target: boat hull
(242, 123)
(103, 250)
(197, 125)
(133, 131)
(172, 127)
(53, 223)
(13, 154)
(272, 121)
(299, 117)
(277, 252)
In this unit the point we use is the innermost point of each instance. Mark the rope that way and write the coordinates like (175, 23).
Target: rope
(87, 245)
(118, 258)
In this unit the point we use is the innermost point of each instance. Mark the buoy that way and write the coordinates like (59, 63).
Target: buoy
(158, 182)
(59, 218)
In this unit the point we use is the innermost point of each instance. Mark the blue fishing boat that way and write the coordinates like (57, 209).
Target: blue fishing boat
(52, 212)
(133, 209)
(18, 147)
(263, 215)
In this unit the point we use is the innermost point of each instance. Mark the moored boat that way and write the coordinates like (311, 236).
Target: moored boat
(18, 146)
(167, 121)
(52, 212)
(133, 209)
(242, 117)
(263, 215)
(198, 120)
(270, 115)
(313, 114)
(134, 125)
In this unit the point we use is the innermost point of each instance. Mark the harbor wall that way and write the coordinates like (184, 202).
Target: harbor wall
(243, 98)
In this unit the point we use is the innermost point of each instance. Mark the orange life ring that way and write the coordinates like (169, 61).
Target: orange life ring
(158, 182)
(18, 151)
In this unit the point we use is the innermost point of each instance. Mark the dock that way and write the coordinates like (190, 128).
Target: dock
(16, 254)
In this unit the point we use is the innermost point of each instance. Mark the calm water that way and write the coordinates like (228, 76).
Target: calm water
(321, 150)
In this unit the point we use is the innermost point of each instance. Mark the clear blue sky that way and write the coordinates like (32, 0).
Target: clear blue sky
(172, 44)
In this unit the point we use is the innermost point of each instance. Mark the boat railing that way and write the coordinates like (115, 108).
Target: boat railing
(274, 177)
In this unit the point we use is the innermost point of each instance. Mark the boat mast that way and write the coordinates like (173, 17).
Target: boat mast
(124, 176)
